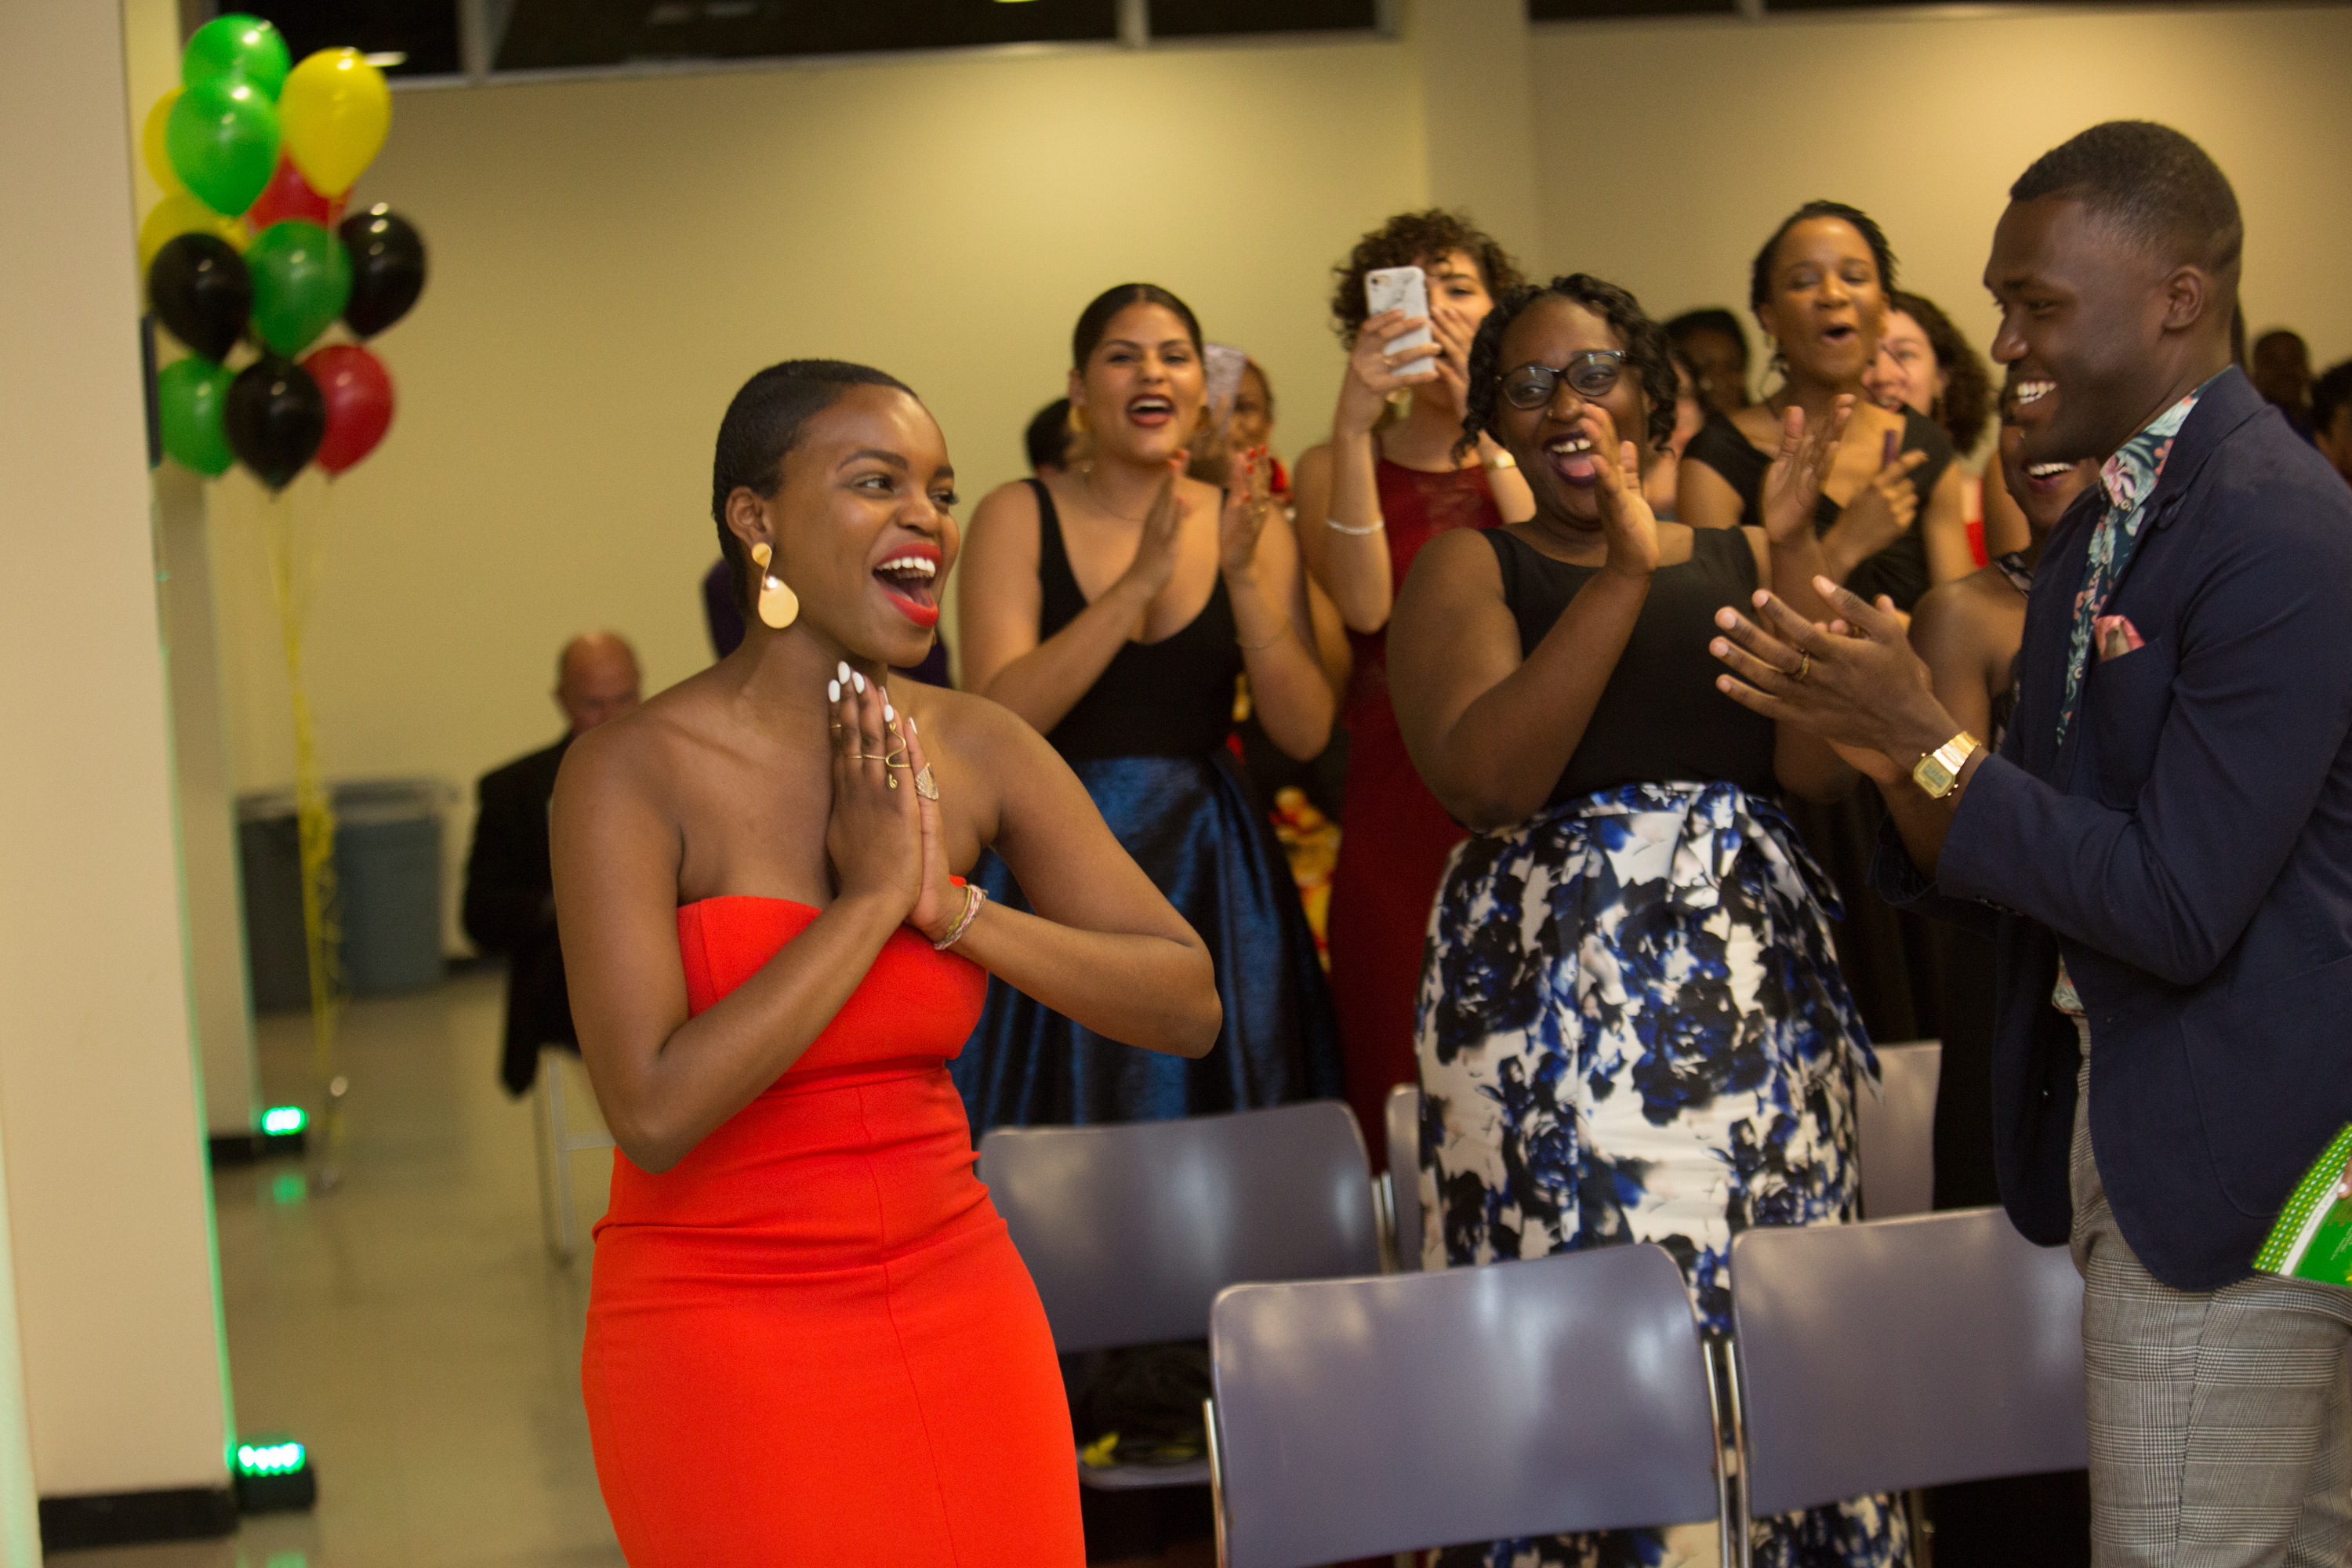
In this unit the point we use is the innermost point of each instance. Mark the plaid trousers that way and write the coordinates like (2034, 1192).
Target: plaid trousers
(2221, 1421)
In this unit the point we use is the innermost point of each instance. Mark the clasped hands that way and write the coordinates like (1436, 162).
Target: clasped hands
(1854, 682)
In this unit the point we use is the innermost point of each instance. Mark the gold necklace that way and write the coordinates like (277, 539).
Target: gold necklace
(1095, 493)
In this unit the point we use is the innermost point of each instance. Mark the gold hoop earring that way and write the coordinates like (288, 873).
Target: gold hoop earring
(779, 605)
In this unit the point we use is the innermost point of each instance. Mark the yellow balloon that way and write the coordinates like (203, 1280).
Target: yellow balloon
(332, 116)
(178, 214)
(151, 144)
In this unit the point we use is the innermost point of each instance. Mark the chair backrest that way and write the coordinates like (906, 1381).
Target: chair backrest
(1131, 1230)
(1357, 1417)
(1896, 1131)
(1404, 1113)
(1901, 1354)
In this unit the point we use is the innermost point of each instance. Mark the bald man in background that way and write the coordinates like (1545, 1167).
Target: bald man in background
(510, 890)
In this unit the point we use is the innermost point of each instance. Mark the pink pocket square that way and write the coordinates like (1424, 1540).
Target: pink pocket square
(2115, 637)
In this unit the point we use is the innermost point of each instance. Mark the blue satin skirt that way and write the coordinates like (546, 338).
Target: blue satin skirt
(1194, 826)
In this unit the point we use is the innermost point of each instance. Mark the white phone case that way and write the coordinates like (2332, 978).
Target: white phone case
(1224, 367)
(1403, 289)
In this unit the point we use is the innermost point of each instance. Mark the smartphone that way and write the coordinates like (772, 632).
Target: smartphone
(1403, 289)
(1223, 365)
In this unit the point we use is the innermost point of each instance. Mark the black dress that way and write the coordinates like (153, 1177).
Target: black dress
(1147, 739)
(1893, 960)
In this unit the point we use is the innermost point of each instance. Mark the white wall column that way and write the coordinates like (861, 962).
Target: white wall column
(1478, 115)
(117, 1305)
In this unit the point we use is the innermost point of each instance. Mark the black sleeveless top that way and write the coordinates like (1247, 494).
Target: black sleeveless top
(1174, 698)
(1899, 571)
(1660, 718)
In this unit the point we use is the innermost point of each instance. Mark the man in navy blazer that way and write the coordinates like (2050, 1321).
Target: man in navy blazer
(2162, 848)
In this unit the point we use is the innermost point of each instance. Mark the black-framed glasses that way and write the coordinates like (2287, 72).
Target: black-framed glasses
(1591, 374)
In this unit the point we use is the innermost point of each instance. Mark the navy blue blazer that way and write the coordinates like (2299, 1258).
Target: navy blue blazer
(2188, 850)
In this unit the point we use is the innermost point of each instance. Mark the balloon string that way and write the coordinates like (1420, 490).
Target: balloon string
(291, 581)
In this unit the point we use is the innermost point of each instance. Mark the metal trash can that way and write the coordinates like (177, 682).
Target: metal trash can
(388, 880)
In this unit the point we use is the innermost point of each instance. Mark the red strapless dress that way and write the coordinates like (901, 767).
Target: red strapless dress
(811, 1341)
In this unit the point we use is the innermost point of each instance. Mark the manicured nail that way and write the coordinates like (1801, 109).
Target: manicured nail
(841, 670)
(887, 712)
(858, 676)
(833, 691)
(911, 725)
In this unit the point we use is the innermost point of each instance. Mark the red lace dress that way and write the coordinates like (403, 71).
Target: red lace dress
(1393, 835)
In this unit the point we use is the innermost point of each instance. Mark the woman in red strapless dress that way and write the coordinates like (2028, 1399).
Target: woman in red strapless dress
(1368, 501)
(810, 1340)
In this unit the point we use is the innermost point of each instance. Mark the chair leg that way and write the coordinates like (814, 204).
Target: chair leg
(1216, 1482)
(547, 1147)
(565, 1241)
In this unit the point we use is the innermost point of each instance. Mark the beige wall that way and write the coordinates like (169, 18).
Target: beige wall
(105, 1166)
(610, 259)
(1924, 122)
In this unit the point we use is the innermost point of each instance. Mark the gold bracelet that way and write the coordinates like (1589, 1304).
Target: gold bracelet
(1257, 647)
(974, 895)
(1501, 459)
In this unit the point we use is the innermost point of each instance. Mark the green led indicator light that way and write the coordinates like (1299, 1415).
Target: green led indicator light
(279, 1458)
(280, 1120)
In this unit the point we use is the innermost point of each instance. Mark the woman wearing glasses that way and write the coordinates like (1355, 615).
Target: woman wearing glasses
(1631, 1026)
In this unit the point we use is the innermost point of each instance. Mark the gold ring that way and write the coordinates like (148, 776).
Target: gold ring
(1804, 665)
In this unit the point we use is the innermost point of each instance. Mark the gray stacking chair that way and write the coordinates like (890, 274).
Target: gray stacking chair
(1896, 1131)
(1902, 1354)
(1131, 1230)
(1359, 1418)
(1403, 1116)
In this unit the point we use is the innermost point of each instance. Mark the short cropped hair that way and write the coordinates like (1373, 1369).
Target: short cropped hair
(1647, 356)
(2331, 392)
(2152, 183)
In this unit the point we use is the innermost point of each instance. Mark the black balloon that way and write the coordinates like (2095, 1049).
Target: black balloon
(202, 292)
(275, 419)
(387, 268)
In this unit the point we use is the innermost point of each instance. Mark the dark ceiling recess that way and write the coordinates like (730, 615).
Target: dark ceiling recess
(423, 31)
(1596, 10)
(1210, 18)
(546, 35)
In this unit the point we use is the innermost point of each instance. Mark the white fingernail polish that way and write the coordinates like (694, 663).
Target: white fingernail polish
(841, 670)
(911, 725)
(833, 691)
(889, 713)
(859, 677)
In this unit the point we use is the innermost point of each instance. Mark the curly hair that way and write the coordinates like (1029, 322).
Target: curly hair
(1967, 404)
(1647, 352)
(1410, 239)
(1760, 276)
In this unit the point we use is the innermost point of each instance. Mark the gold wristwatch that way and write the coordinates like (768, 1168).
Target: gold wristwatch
(1938, 772)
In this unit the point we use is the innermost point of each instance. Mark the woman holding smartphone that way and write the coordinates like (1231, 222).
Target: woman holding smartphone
(1114, 606)
(1632, 1026)
(1368, 499)
(810, 1339)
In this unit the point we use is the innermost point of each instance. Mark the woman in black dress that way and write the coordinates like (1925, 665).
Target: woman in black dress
(1890, 520)
(1114, 606)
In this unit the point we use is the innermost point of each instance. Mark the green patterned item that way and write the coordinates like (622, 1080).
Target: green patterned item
(2312, 1237)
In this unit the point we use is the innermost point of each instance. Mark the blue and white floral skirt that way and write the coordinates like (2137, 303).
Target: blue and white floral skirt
(1633, 1028)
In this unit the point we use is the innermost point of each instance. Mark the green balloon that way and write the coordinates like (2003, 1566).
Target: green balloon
(301, 282)
(237, 46)
(189, 396)
(222, 137)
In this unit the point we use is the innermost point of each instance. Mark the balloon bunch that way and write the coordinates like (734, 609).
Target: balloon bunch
(256, 157)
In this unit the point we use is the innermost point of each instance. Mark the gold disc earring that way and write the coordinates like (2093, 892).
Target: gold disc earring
(779, 605)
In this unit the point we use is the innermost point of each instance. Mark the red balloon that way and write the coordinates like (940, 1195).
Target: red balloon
(359, 403)
(290, 195)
